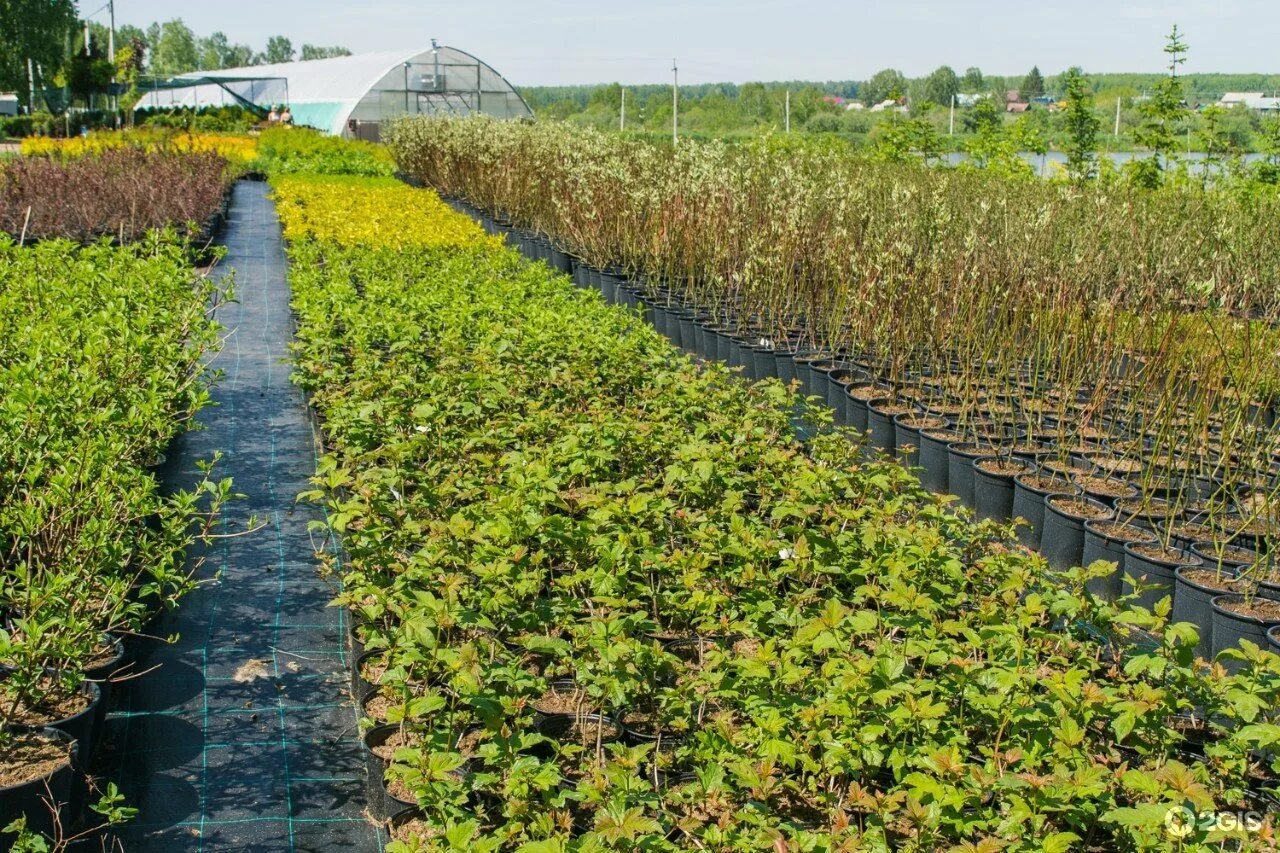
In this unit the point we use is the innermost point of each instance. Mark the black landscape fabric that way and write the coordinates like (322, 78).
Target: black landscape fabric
(243, 737)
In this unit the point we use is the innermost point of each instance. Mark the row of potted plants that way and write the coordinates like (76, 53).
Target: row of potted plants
(117, 194)
(101, 353)
(605, 598)
(1142, 385)
(1076, 511)
(1072, 317)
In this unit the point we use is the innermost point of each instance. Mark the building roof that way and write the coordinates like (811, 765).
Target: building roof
(328, 93)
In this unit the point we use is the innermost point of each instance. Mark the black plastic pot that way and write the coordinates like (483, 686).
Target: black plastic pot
(805, 363)
(381, 802)
(1233, 560)
(560, 728)
(993, 491)
(102, 675)
(1028, 504)
(934, 460)
(1104, 546)
(764, 364)
(686, 331)
(1062, 537)
(906, 435)
(32, 798)
(1193, 602)
(638, 736)
(855, 407)
(1155, 572)
(960, 458)
(359, 686)
(1230, 627)
(1273, 637)
(880, 431)
(723, 344)
(1151, 515)
(786, 366)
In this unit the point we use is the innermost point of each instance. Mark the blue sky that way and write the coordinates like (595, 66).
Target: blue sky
(556, 41)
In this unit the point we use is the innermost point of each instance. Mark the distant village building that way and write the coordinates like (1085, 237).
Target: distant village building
(1013, 102)
(8, 104)
(889, 104)
(969, 99)
(1250, 100)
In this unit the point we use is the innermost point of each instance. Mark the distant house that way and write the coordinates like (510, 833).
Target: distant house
(1240, 99)
(855, 105)
(888, 104)
(969, 99)
(834, 100)
(1250, 100)
(1013, 102)
(8, 104)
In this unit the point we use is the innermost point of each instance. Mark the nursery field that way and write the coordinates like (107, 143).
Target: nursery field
(606, 599)
(721, 497)
(100, 360)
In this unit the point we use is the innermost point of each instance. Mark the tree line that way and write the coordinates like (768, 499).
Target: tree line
(43, 47)
(922, 109)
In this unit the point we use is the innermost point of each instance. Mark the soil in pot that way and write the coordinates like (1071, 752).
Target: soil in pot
(1226, 558)
(1153, 566)
(368, 671)
(35, 766)
(563, 697)
(1194, 591)
(1184, 534)
(585, 730)
(1113, 464)
(411, 827)
(1103, 488)
(1150, 513)
(1062, 537)
(1267, 578)
(1239, 617)
(643, 725)
(993, 486)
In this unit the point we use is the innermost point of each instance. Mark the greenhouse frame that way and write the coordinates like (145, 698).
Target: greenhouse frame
(352, 96)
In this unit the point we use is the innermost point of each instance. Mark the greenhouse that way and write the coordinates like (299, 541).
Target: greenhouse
(352, 95)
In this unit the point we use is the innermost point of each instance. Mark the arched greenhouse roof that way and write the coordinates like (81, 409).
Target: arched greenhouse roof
(345, 95)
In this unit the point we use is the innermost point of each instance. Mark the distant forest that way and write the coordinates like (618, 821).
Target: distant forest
(1200, 87)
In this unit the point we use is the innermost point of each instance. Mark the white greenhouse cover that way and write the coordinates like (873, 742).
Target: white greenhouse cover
(327, 93)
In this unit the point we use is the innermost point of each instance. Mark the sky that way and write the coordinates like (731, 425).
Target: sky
(553, 42)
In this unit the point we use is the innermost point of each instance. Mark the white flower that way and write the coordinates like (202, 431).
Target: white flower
(786, 554)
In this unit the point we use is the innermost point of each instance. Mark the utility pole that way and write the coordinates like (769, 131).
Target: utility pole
(111, 56)
(31, 86)
(622, 119)
(675, 103)
(1117, 116)
(788, 110)
(952, 131)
